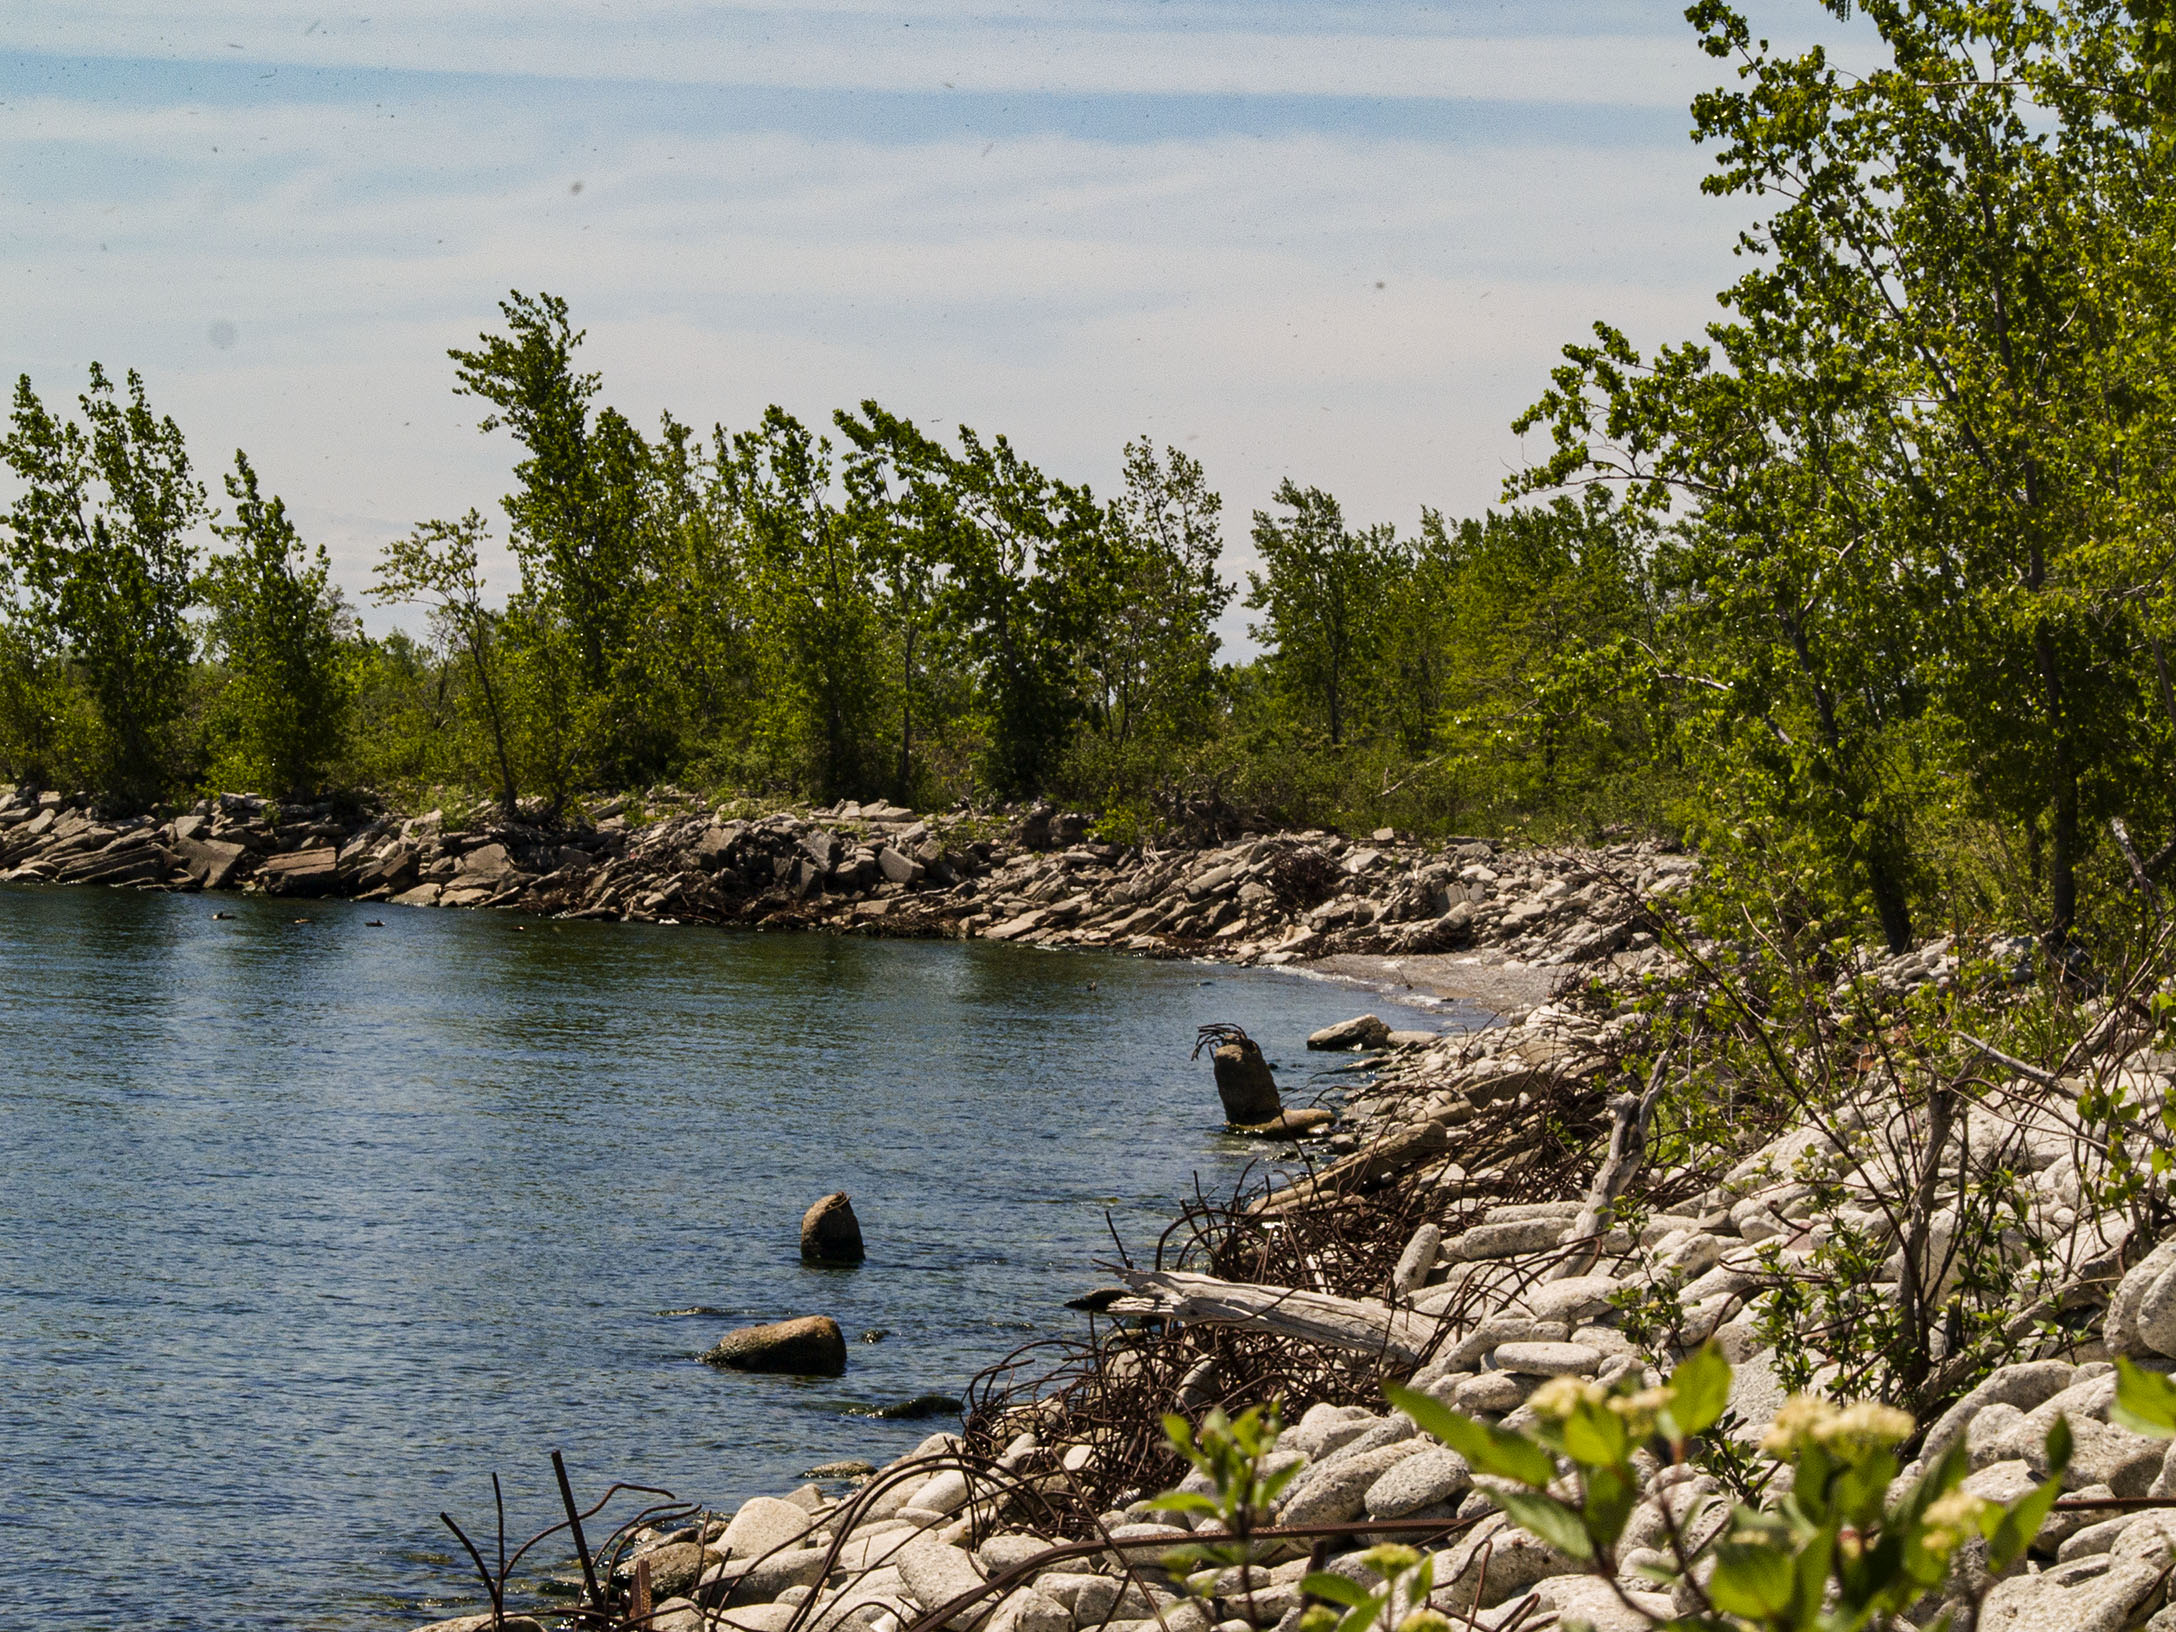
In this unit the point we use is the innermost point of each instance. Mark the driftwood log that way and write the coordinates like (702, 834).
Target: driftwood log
(1408, 1148)
(1630, 1117)
(1399, 1336)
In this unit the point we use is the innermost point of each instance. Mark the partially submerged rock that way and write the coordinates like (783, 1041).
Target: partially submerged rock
(1291, 1124)
(830, 1233)
(812, 1346)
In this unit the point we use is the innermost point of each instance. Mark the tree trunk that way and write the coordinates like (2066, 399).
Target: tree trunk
(508, 798)
(2063, 804)
(1889, 903)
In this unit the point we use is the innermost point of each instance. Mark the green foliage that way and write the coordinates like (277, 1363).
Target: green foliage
(1834, 1552)
(99, 564)
(1917, 559)
(1231, 1454)
(2145, 1401)
(436, 566)
(1398, 1605)
(1322, 593)
(276, 630)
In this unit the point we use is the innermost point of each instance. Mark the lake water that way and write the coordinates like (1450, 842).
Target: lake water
(306, 1228)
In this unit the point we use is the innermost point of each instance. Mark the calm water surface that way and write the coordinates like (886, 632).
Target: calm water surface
(307, 1228)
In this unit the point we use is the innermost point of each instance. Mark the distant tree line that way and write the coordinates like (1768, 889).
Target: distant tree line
(865, 613)
(1870, 589)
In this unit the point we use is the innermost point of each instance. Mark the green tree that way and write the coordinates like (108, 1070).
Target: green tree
(1533, 604)
(814, 598)
(902, 525)
(1008, 536)
(276, 627)
(100, 561)
(1909, 470)
(580, 523)
(697, 634)
(1150, 619)
(1321, 592)
(436, 566)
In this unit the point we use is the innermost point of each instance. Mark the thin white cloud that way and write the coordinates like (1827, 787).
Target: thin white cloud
(1218, 290)
(1074, 51)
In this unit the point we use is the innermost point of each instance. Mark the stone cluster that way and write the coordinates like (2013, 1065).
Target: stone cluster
(1516, 1294)
(1522, 1298)
(878, 869)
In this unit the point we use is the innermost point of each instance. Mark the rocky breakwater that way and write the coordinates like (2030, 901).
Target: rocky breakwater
(1498, 1226)
(1277, 899)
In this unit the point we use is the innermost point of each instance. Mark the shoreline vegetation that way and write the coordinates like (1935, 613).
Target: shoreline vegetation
(1800, 1260)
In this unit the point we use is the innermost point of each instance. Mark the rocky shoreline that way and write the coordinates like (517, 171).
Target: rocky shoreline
(1484, 1296)
(1491, 1245)
(1474, 913)
(1487, 1227)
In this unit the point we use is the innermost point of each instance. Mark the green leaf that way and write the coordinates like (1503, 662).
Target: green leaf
(2021, 1521)
(2145, 1401)
(1939, 1480)
(1339, 1589)
(1812, 1569)
(1594, 1436)
(1181, 1559)
(1549, 1519)
(1611, 1494)
(1699, 1389)
(1753, 1579)
(2059, 1445)
(1488, 1449)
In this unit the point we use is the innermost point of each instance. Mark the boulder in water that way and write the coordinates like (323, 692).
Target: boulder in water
(812, 1346)
(922, 1405)
(1291, 1124)
(1243, 1079)
(830, 1233)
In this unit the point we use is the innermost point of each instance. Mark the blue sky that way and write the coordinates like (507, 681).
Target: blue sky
(1341, 243)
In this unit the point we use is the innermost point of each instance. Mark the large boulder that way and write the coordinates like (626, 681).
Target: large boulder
(674, 1568)
(2096, 1594)
(898, 868)
(812, 1346)
(1432, 1474)
(1496, 1560)
(2021, 1387)
(1361, 1031)
(304, 873)
(763, 1525)
(935, 1573)
(393, 871)
(486, 864)
(830, 1233)
(2142, 1314)
(211, 862)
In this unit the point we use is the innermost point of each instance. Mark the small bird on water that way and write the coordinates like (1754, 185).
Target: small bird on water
(373, 923)
(219, 915)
